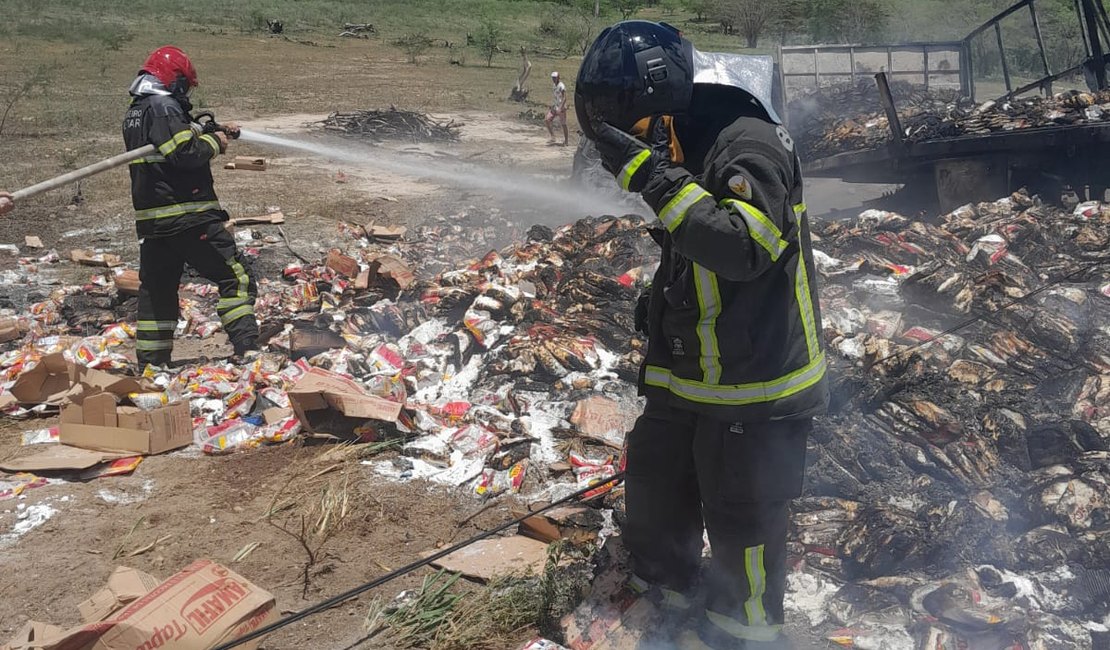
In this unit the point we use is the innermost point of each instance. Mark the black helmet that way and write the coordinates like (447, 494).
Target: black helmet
(634, 69)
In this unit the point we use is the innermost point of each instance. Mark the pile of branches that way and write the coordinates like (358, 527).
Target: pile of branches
(392, 124)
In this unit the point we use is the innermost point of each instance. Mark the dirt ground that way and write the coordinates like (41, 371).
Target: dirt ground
(194, 506)
(59, 543)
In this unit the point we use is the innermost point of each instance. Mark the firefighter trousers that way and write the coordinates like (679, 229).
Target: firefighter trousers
(687, 473)
(210, 249)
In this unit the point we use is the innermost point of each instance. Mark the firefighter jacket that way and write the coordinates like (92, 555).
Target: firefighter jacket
(172, 189)
(734, 328)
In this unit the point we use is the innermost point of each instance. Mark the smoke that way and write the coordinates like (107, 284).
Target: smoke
(569, 199)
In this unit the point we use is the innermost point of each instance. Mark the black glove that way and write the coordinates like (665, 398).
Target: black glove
(628, 158)
(641, 314)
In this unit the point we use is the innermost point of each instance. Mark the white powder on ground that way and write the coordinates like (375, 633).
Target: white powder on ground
(29, 519)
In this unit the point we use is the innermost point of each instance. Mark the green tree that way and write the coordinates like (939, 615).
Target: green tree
(789, 19)
(413, 45)
(701, 8)
(627, 7)
(846, 21)
(489, 39)
(749, 18)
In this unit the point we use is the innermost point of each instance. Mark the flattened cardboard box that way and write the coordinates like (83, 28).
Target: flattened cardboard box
(497, 556)
(200, 608)
(57, 458)
(96, 422)
(31, 636)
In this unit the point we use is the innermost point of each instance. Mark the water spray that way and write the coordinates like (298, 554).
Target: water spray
(500, 181)
(573, 198)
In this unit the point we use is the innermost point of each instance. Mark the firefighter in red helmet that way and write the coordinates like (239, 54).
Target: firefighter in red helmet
(178, 216)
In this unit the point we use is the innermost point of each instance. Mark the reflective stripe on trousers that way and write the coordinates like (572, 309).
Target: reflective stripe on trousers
(232, 309)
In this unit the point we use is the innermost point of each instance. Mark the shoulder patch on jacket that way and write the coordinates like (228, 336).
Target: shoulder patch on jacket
(740, 186)
(784, 138)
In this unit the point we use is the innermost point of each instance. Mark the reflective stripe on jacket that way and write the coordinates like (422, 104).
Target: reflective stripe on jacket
(171, 190)
(734, 324)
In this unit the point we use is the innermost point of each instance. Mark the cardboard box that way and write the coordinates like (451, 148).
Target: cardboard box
(125, 586)
(319, 396)
(391, 268)
(91, 417)
(32, 241)
(273, 219)
(127, 282)
(247, 163)
(47, 383)
(342, 264)
(54, 380)
(32, 635)
(200, 608)
(97, 422)
(89, 258)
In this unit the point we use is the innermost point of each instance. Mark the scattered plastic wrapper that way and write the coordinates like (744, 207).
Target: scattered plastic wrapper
(493, 482)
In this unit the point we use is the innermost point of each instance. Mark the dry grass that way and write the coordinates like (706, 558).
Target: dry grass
(493, 616)
(311, 518)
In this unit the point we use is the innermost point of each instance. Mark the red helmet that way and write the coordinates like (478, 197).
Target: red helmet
(173, 68)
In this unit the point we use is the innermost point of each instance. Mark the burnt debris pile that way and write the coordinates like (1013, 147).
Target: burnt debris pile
(959, 492)
(845, 118)
(849, 117)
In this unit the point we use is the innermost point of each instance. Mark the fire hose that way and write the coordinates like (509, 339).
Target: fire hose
(207, 123)
(409, 568)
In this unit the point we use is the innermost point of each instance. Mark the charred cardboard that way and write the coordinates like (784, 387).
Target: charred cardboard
(310, 342)
(125, 586)
(385, 232)
(605, 620)
(321, 390)
(392, 268)
(576, 524)
(97, 422)
(497, 556)
(60, 458)
(200, 608)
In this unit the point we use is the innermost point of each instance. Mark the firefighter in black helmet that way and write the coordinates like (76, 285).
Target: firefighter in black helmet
(735, 367)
